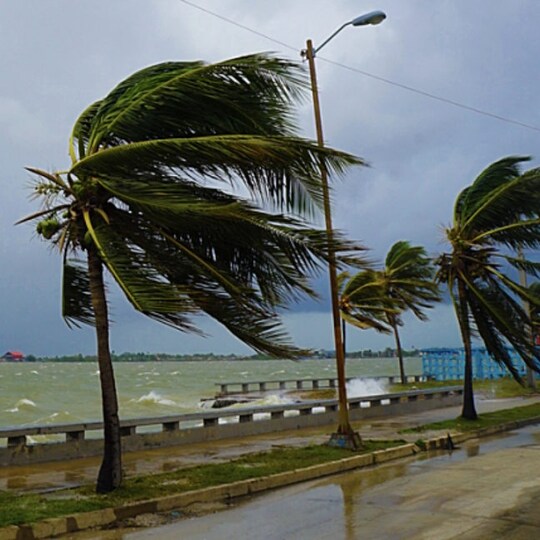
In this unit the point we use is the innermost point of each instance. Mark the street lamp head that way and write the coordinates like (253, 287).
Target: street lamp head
(373, 17)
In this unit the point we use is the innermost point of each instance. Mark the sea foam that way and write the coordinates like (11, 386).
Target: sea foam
(23, 405)
(366, 387)
(153, 398)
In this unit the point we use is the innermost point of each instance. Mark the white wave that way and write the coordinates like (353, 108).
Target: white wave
(23, 405)
(155, 398)
(366, 387)
(273, 399)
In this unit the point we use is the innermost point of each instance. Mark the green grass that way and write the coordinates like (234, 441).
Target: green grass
(485, 420)
(505, 387)
(27, 508)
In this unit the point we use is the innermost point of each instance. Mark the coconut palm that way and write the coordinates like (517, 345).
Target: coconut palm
(493, 217)
(362, 302)
(377, 298)
(408, 281)
(149, 197)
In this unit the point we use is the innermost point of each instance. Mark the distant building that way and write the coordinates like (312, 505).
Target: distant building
(13, 356)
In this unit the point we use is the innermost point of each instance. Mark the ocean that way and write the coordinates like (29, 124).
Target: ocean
(36, 393)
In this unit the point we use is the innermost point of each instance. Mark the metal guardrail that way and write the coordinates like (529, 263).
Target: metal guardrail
(17, 436)
(245, 387)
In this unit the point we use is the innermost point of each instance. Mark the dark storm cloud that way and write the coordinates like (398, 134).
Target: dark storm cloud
(60, 55)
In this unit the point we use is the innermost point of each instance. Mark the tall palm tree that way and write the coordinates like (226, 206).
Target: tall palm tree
(377, 298)
(144, 199)
(408, 281)
(362, 302)
(493, 217)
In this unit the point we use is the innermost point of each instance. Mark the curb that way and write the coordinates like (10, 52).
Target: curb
(52, 527)
(441, 442)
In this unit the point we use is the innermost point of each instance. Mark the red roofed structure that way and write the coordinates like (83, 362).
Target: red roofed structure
(13, 356)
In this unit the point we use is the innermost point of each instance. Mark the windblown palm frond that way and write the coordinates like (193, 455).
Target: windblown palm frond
(363, 303)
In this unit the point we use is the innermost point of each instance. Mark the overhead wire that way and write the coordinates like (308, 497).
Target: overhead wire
(378, 78)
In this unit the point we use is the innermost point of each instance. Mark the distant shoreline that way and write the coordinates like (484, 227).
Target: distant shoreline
(199, 357)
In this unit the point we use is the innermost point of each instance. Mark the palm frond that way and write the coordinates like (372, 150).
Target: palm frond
(485, 191)
(81, 132)
(284, 171)
(76, 299)
(251, 94)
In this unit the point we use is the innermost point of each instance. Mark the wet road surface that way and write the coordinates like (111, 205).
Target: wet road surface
(485, 490)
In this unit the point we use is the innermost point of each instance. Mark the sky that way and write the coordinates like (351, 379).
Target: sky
(58, 56)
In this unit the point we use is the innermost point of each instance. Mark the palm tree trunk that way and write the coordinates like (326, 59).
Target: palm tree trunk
(469, 411)
(110, 472)
(399, 350)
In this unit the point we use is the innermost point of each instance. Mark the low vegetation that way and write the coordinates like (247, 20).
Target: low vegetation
(505, 387)
(27, 508)
(483, 421)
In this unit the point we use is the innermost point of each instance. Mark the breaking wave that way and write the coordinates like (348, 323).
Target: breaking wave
(153, 398)
(22, 405)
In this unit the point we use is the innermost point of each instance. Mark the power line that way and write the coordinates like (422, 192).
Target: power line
(402, 86)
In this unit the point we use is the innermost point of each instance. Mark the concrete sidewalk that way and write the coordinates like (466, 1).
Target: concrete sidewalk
(51, 476)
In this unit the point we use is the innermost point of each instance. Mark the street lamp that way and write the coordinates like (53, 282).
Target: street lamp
(345, 436)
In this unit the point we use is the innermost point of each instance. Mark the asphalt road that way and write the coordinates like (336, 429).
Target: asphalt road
(485, 490)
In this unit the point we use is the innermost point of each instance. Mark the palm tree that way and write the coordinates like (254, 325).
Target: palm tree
(362, 302)
(377, 298)
(408, 281)
(493, 217)
(143, 199)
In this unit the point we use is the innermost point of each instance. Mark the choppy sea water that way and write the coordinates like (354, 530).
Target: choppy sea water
(53, 393)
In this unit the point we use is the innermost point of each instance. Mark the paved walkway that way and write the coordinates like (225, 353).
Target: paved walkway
(45, 476)
(481, 492)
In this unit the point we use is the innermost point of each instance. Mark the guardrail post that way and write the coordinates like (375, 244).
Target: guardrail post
(299, 385)
(245, 387)
(73, 436)
(243, 418)
(16, 441)
(170, 426)
(128, 430)
(276, 415)
(207, 422)
(262, 387)
(315, 384)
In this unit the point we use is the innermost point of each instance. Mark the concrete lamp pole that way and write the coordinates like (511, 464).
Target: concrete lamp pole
(345, 436)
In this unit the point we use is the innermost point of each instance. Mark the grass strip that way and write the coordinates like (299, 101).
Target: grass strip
(24, 508)
(505, 387)
(484, 420)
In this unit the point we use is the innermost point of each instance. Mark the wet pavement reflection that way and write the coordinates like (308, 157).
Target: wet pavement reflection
(476, 491)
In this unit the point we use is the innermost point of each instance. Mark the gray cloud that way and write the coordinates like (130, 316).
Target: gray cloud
(60, 55)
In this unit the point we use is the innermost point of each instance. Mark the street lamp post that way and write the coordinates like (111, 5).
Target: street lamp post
(345, 436)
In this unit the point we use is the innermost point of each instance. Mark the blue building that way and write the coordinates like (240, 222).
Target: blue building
(449, 364)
